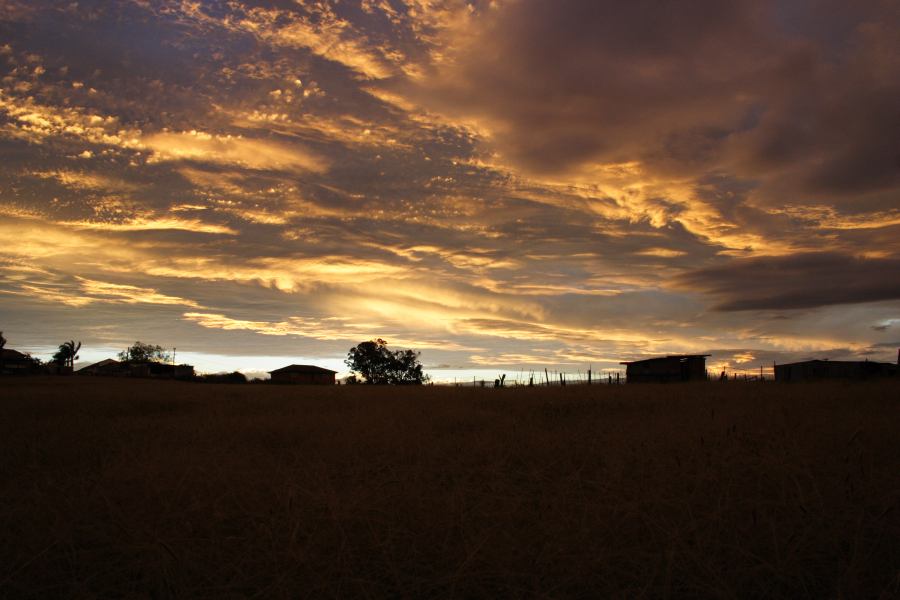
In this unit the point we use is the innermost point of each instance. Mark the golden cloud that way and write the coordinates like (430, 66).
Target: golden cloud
(232, 150)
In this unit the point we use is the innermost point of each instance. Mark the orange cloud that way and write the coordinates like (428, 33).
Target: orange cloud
(233, 150)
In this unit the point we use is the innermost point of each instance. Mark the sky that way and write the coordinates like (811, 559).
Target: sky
(503, 185)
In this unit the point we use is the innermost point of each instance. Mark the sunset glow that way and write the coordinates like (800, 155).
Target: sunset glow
(505, 185)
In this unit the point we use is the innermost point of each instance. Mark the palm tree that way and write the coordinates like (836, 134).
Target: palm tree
(67, 353)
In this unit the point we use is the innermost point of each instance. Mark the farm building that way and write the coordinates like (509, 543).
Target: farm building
(833, 369)
(303, 374)
(676, 367)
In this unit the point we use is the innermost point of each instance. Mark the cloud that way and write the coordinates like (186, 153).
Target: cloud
(103, 291)
(792, 107)
(59, 288)
(795, 282)
(151, 224)
(320, 329)
(86, 181)
(232, 150)
(651, 81)
(39, 123)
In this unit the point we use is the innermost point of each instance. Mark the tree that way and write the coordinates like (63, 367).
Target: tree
(140, 352)
(2, 344)
(407, 368)
(67, 353)
(377, 364)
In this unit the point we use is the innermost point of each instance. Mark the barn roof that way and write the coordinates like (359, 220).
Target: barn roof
(308, 369)
(669, 357)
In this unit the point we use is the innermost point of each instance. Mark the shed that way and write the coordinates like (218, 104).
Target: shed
(675, 367)
(809, 370)
(303, 374)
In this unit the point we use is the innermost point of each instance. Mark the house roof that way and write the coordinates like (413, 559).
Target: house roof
(669, 357)
(106, 362)
(308, 369)
(10, 354)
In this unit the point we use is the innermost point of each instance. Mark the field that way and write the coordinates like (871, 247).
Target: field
(141, 489)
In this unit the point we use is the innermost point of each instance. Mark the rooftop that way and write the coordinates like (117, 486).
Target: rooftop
(669, 357)
(103, 363)
(301, 369)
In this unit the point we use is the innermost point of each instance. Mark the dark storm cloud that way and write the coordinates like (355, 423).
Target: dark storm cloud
(801, 281)
(575, 81)
(801, 97)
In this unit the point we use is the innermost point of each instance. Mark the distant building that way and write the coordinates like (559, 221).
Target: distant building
(159, 370)
(676, 367)
(55, 368)
(114, 368)
(107, 367)
(303, 374)
(13, 362)
(810, 370)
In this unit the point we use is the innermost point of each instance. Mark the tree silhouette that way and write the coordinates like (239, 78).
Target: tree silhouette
(2, 344)
(67, 353)
(376, 364)
(141, 352)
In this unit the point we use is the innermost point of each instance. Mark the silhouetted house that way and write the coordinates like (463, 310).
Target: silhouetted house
(55, 368)
(833, 369)
(304, 374)
(114, 368)
(160, 370)
(13, 362)
(107, 368)
(676, 367)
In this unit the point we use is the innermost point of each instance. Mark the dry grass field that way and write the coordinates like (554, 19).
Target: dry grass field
(141, 489)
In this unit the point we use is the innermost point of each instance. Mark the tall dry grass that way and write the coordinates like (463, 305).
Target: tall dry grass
(112, 488)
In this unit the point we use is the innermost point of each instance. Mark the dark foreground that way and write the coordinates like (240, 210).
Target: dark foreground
(154, 490)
